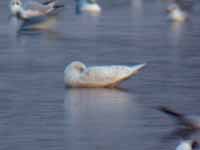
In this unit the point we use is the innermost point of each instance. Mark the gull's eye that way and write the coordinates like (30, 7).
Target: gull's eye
(17, 3)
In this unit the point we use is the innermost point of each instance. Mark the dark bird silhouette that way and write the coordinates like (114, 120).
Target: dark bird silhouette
(188, 121)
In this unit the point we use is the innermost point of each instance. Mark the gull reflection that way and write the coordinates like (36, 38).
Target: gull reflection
(97, 100)
(177, 31)
(137, 6)
(100, 115)
(34, 25)
(14, 25)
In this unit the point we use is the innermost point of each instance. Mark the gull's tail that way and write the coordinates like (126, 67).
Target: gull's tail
(138, 67)
(170, 112)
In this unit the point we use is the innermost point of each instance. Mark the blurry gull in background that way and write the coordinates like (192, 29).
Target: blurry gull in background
(176, 13)
(187, 121)
(31, 9)
(32, 15)
(179, 10)
(88, 6)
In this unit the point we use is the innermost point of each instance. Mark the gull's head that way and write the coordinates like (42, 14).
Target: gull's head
(16, 7)
(78, 66)
(75, 67)
(72, 72)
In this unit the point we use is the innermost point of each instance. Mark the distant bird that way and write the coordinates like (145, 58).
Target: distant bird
(176, 13)
(187, 145)
(88, 6)
(77, 74)
(30, 9)
(189, 122)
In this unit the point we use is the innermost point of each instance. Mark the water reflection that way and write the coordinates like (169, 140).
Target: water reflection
(137, 6)
(180, 133)
(97, 117)
(34, 25)
(89, 25)
(14, 25)
(177, 32)
(111, 99)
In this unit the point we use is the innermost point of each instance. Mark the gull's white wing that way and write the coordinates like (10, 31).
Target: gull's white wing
(107, 76)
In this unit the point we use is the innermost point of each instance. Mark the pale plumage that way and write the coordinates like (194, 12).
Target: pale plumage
(77, 74)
